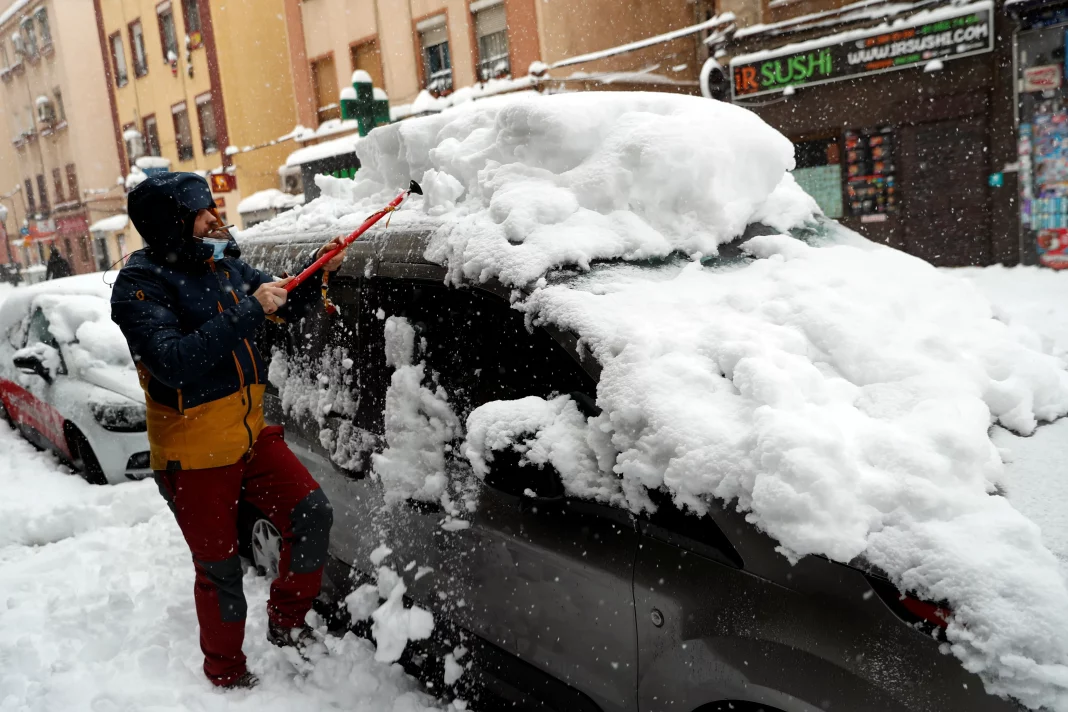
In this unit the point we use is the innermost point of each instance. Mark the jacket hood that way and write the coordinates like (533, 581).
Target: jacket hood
(163, 208)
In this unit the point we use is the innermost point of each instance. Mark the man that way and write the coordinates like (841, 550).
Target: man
(57, 265)
(189, 309)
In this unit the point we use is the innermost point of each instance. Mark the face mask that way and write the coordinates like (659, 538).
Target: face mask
(218, 247)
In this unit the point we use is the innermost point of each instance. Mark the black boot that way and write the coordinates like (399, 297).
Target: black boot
(303, 639)
(245, 682)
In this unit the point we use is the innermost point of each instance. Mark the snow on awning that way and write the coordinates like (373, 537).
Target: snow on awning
(327, 149)
(114, 223)
(270, 199)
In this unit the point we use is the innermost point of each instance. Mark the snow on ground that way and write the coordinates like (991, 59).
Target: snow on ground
(96, 610)
(839, 392)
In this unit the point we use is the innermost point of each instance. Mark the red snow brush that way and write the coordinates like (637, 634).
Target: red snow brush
(353, 236)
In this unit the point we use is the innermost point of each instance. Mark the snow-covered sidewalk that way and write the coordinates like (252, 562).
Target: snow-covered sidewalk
(96, 610)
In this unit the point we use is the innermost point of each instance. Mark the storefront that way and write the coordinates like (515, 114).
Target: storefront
(903, 123)
(1042, 130)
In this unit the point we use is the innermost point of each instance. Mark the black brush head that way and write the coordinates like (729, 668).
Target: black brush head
(414, 188)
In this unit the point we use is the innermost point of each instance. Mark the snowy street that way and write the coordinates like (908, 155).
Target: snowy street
(95, 599)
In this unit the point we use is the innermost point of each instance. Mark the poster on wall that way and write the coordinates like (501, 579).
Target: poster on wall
(1053, 247)
(869, 159)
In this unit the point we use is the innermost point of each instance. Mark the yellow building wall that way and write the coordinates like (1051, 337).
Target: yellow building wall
(257, 87)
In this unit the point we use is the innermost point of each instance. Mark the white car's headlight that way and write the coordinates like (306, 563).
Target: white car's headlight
(120, 417)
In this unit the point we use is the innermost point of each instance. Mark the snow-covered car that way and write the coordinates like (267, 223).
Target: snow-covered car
(68, 382)
(628, 425)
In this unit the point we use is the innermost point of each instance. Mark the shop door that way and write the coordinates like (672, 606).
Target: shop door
(945, 203)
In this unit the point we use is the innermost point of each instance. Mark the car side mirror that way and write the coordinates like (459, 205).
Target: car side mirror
(31, 364)
(529, 482)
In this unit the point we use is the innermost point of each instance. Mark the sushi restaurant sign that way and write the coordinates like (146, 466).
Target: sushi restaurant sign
(940, 34)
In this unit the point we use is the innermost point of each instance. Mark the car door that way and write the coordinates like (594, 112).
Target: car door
(549, 581)
(33, 397)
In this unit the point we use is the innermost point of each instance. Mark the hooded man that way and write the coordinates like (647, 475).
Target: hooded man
(58, 267)
(189, 309)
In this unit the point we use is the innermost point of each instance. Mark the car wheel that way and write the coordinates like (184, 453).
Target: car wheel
(266, 548)
(85, 461)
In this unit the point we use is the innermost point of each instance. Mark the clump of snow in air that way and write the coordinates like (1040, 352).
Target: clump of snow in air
(392, 624)
(839, 392)
(419, 424)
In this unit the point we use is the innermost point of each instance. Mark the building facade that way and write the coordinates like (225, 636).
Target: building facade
(441, 46)
(56, 175)
(189, 79)
(902, 115)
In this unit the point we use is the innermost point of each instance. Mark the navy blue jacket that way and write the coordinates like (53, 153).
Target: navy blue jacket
(190, 324)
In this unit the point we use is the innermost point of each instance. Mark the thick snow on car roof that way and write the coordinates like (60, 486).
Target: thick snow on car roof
(16, 304)
(839, 392)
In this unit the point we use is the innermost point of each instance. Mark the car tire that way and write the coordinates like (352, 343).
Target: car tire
(85, 462)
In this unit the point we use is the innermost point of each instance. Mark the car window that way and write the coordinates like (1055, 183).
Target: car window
(475, 346)
(38, 331)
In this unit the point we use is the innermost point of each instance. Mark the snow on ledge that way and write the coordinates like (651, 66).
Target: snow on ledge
(115, 223)
(270, 199)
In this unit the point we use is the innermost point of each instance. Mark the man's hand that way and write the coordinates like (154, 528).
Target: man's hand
(335, 263)
(271, 295)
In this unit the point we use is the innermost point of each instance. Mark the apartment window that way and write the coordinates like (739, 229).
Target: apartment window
(368, 57)
(72, 182)
(209, 141)
(61, 113)
(324, 79)
(168, 35)
(437, 66)
(137, 48)
(42, 188)
(118, 60)
(491, 28)
(3, 53)
(29, 37)
(57, 184)
(135, 143)
(191, 11)
(31, 204)
(151, 131)
(183, 132)
(41, 15)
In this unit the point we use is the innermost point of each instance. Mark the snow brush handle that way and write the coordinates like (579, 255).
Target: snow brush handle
(353, 236)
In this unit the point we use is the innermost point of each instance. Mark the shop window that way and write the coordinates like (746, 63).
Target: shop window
(151, 132)
(72, 182)
(819, 173)
(29, 37)
(366, 56)
(42, 189)
(869, 160)
(183, 132)
(61, 111)
(491, 28)
(209, 141)
(324, 79)
(57, 184)
(41, 16)
(137, 49)
(168, 35)
(437, 65)
(191, 12)
(31, 202)
(118, 59)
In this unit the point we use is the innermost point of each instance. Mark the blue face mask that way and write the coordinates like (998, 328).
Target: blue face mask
(218, 247)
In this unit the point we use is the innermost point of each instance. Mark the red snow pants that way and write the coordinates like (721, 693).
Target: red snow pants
(205, 503)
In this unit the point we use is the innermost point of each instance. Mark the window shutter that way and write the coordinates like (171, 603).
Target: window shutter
(434, 31)
(491, 20)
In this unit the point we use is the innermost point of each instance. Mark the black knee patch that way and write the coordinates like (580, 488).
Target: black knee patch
(166, 494)
(226, 577)
(312, 518)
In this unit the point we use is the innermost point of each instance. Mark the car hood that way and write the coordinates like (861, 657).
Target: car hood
(122, 381)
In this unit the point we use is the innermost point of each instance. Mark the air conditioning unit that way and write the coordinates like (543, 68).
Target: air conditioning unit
(46, 111)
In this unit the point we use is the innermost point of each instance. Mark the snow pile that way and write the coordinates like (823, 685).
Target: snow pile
(519, 185)
(420, 425)
(393, 625)
(270, 199)
(545, 432)
(115, 223)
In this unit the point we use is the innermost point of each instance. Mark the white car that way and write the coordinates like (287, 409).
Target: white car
(68, 382)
